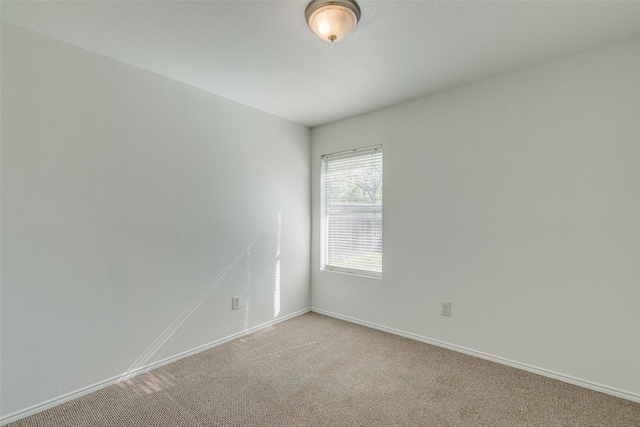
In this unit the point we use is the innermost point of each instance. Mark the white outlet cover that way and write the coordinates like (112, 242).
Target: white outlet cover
(445, 309)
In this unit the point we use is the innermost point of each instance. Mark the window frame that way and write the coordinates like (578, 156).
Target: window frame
(324, 215)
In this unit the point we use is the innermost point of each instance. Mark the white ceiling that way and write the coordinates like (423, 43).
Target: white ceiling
(262, 54)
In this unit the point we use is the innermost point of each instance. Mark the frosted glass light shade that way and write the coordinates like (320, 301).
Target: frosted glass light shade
(332, 20)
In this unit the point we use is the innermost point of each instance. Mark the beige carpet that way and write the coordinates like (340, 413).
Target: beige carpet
(318, 371)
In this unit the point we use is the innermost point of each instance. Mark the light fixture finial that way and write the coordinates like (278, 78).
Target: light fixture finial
(332, 20)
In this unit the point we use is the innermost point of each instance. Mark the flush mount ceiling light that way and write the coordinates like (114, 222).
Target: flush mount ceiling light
(332, 20)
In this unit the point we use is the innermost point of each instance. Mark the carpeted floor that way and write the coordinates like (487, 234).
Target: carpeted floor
(314, 370)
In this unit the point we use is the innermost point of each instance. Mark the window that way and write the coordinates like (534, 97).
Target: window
(352, 211)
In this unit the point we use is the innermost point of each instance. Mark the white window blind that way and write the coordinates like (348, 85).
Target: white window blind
(352, 211)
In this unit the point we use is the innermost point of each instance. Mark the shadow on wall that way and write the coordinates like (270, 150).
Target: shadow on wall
(254, 279)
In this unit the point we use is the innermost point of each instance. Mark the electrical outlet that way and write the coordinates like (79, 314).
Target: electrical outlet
(445, 309)
(235, 303)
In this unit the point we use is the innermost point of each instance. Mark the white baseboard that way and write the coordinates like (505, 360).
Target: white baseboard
(544, 372)
(127, 375)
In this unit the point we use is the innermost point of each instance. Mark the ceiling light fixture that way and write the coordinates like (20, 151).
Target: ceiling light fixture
(332, 20)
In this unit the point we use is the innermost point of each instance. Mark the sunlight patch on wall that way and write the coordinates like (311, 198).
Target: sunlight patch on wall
(165, 337)
(247, 288)
(276, 274)
(276, 290)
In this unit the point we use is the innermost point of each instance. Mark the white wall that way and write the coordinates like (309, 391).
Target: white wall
(517, 200)
(133, 208)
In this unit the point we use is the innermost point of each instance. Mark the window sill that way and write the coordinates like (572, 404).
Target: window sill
(358, 273)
